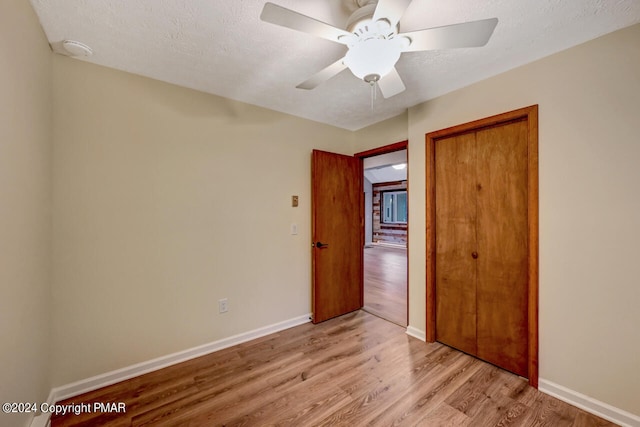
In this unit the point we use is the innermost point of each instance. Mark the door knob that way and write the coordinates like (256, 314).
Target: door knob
(474, 255)
(321, 245)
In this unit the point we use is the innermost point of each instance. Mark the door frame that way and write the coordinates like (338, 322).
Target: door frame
(397, 146)
(530, 114)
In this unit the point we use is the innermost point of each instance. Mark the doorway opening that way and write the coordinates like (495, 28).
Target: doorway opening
(386, 223)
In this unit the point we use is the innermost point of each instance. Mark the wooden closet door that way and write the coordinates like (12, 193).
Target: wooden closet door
(502, 235)
(482, 275)
(481, 244)
(455, 276)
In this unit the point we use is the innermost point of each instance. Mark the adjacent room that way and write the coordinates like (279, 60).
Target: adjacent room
(159, 228)
(386, 225)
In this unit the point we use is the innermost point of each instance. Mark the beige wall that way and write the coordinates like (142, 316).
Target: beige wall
(383, 133)
(165, 201)
(589, 98)
(25, 216)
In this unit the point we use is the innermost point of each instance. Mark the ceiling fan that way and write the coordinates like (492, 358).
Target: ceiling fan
(374, 42)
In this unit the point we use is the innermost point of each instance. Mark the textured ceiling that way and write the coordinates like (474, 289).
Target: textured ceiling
(222, 47)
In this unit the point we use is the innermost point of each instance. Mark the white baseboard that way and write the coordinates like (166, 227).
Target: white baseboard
(108, 378)
(416, 333)
(42, 420)
(589, 404)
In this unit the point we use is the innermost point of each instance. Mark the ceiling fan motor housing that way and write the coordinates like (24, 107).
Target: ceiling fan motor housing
(374, 47)
(364, 13)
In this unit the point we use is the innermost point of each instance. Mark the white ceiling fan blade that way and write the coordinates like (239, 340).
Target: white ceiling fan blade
(391, 10)
(391, 84)
(468, 34)
(284, 17)
(323, 75)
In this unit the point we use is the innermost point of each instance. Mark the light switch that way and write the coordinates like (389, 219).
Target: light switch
(294, 202)
(294, 229)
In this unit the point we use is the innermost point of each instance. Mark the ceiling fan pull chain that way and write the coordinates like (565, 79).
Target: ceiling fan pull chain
(373, 92)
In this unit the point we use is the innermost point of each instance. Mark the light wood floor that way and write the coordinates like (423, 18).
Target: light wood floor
(354, 370)
(385, 283)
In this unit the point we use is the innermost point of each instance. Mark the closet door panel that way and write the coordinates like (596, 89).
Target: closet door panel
(455, 274)
(502, 264)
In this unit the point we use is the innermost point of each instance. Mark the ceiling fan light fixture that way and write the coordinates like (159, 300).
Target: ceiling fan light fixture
(373, 57)
(374, 40)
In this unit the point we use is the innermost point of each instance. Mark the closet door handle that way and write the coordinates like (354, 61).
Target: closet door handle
(474, 255)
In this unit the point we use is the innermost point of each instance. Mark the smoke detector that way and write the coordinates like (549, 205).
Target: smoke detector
(75, 48)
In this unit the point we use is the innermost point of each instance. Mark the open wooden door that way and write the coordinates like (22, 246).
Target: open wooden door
(337, 221)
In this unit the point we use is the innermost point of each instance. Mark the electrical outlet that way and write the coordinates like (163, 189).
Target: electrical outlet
(223, 305)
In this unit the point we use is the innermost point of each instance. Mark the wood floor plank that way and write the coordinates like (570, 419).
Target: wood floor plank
(499, 410)
(470, 399)
(210, 394)
(428, 393)
(584, 419)
(355, 370)
(374, 399)
(445, 416)
(385, 283)
(548, 411)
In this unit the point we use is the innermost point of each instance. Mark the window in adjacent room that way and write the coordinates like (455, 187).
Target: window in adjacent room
(394, 206)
